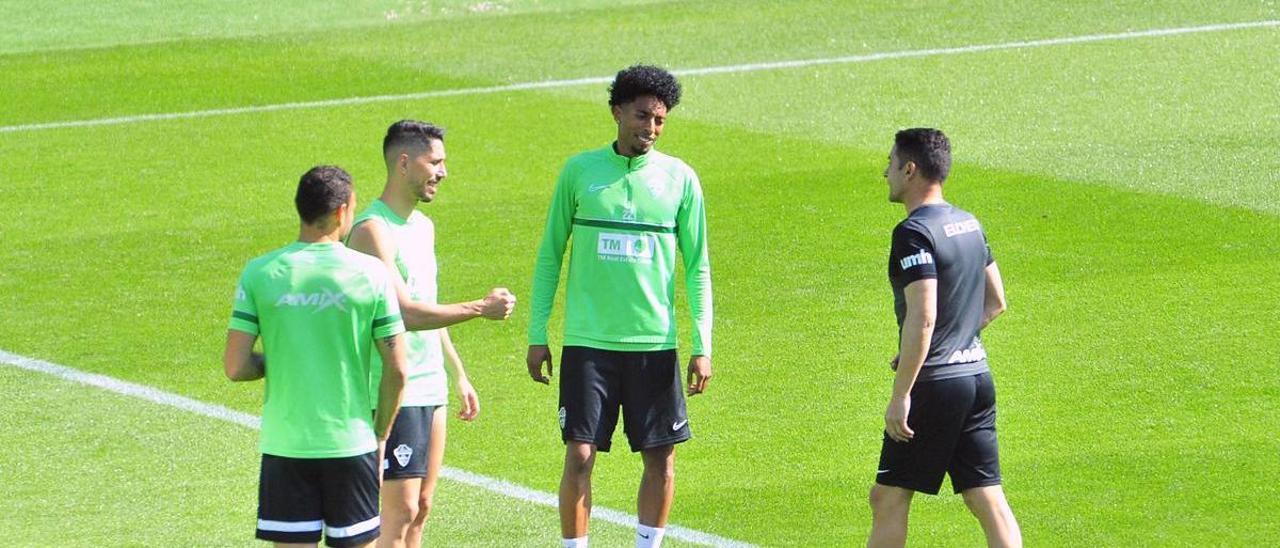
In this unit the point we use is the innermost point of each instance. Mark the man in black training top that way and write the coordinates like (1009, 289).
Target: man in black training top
(941, 418)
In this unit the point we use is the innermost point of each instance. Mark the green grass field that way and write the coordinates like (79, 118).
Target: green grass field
(1128, 187)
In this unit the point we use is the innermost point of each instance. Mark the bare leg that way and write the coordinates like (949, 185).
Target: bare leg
(657, 486)
(992, 510)
(575, 489)
(435, 459)
(399, 509)
(890, 508)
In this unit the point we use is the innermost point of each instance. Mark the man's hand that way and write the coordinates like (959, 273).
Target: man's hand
(895, 419)
(699, 374)
(498, 304)
(470, 400)
(538, 355)
(893, 364)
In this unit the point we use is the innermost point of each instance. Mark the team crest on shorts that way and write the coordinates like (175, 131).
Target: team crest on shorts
(403, 453)
(562, 416)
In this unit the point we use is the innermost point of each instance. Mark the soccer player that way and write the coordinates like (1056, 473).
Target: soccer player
(320, 309)
(394, 231)
(941, 418)
(628, 208)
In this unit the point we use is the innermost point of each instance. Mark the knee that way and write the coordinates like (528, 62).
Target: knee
(982, 498)
(579, 461)
(424, 508)
(664, 471)
(882, 499)
(405, 512)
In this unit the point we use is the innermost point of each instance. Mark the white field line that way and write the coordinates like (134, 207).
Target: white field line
(726, 69)
(252, 421)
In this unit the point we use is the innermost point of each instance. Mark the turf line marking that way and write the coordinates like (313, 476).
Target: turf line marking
(727, 69)
(219, 412)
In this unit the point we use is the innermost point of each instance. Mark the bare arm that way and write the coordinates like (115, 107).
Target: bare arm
(993, 303)
(370, 238)
(467, 393)
(917, 334)
(391, 391)
(239, 361)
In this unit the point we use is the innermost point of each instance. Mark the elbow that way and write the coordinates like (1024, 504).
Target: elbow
(396, 376)
(927, 321)
(234, 372)
(997, 308)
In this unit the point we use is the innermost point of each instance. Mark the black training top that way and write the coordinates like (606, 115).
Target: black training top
(946, 243)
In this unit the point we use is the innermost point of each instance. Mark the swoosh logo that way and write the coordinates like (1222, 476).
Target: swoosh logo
(878, 472)
(598, 188)
(678, 425)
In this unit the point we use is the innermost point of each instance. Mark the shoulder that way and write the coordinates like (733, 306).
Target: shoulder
(586, 159)
(262, 262)
(368, 266)
(675, 167)
(911, 225)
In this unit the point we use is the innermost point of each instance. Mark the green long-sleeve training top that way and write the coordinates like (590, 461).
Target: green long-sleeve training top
(627, 217)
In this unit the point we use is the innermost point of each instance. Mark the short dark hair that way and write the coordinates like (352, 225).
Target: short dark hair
(639, 80)
(320, 191)
(411, 133)
(928, 148)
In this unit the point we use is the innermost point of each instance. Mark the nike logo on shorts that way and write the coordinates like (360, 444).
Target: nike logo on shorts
(679, 424)
(878, 472)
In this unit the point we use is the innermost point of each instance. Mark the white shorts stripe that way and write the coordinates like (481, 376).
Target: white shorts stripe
(352, 530)
(290, 526)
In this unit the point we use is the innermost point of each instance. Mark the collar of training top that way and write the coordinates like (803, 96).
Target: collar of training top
(630, 162)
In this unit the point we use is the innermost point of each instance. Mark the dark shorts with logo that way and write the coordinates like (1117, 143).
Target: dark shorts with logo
(299, 499)
(594, 383)
(407, 445)
(954, 421)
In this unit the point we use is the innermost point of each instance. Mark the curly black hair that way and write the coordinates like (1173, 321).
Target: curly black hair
(639, 80)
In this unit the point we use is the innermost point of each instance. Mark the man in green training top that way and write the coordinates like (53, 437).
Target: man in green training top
(394, 231)
(320, 309)
(628, 208)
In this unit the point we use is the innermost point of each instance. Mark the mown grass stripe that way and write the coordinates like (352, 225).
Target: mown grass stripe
(726, 69)
(219, 412)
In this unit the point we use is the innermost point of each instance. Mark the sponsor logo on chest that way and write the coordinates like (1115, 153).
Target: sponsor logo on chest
(612, 246)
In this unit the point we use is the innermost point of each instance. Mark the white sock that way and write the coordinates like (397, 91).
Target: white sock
(649, 537)
(580, 542)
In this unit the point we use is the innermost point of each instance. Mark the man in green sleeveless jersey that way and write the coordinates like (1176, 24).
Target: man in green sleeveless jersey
(320, 309)
(628, 209)
(392, 230)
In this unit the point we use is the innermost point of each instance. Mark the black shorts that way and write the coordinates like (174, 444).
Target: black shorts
(300, 498)
(594, 383)
(954, 421)
(407, 445)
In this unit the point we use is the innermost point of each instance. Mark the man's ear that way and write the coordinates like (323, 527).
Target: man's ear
(617, 114)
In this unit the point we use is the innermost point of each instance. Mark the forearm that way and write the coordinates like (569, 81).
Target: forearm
(912, 351)
(390, 394)
(419, 316)
(546, 278)
(990, 311)
(698, 287)
(391, 388)
(451, 355)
